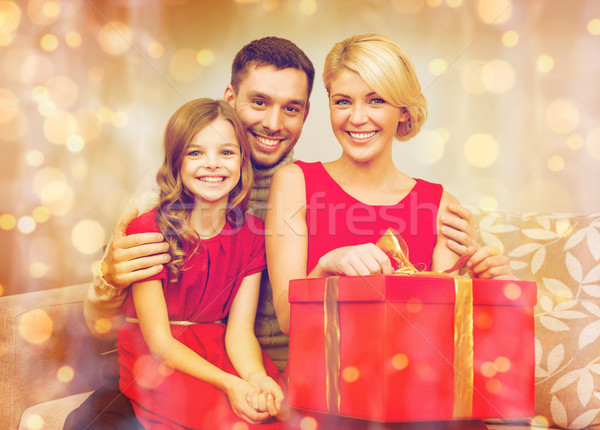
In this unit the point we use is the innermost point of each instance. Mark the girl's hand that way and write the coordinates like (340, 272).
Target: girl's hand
(239, 394)
(489, 263)
(270, 397)
(362, 260)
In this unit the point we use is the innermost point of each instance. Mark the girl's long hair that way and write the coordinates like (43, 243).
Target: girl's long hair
(176, 203)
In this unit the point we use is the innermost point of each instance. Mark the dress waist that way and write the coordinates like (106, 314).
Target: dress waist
(183, 323)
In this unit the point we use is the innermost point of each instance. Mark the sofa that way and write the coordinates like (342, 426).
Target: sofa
(50, 362)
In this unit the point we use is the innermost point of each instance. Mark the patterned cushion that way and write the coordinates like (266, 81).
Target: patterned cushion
(561, 253)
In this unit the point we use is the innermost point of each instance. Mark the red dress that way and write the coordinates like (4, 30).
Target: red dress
(166, 398)
(335, 219)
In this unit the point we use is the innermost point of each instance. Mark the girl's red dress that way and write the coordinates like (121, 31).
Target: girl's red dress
(166, 398)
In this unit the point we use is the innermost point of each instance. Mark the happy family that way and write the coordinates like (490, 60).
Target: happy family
(196, 289)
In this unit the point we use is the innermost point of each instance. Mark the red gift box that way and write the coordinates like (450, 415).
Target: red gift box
(395, 348)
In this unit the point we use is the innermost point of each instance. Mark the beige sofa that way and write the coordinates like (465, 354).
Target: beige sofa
(50, 362)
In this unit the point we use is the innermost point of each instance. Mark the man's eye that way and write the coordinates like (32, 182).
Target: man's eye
(292, 109)
(259, 103)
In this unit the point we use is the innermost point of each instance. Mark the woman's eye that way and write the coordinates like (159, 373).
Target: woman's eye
(378, 101)
(342, 102)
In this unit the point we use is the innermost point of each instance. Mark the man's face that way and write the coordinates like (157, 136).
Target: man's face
(272, 105)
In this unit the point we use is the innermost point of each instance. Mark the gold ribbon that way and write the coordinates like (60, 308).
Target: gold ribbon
(332, 345)
(395, 247)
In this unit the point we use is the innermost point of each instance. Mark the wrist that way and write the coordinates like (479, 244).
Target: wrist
(255, 378)
(103, 282)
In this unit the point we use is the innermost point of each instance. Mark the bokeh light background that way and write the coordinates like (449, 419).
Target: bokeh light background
(86, 88)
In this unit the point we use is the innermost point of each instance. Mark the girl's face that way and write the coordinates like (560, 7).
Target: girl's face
(212, 163)
(362, 121)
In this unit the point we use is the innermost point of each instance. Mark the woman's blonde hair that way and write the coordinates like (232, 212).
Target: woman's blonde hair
(176, 203)
(386, 68)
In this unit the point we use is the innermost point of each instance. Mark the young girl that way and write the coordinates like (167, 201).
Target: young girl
(327, 217)
(187, 351)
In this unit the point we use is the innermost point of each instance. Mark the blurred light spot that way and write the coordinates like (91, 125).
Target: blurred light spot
(470, 77)
(502, 364)
(205, 57)
(1, 294)
(88, 236)
(40, 93)
(562, 117)
(9, 105)
(408, 6)
(75, 143)
(592, 143)
(443, 133)
(350, 374)
(593, 27)
(14, 129)
(183, 65)
(437, 66)
(6, 38)
(510, 38)
(34, 422)
(51, 9)
(26, 66)
(105, 114)
(429, 149)
(400, 361)
(73, 39)
(270, 5)
(59, 126)
(308, 423)
(166, 369)
(34, 158)
(95, 74)
(51, 187)
(483, 321)
(114, 38)
(488, 369)
(246, 1)
(564, 227)
(46, 108)
(145, 372)
(493, 386)
(454, 3)
(512, 291)
(545, 63)
(540, 421)
(10, 16)
(102, 325)
(35, 326)
(65, 374)
(556, 163)
(308, 7)
(481, 150)
(414, 305)
(38, 270)
(62, 91)
(575, 141)
(41, 214)
(488, 203)
(120, 119)
(79, 171)
(8, 221)
(155, 49)
(240, 425)
(494, 11)
(49, 42)
(434, 3)
(26, 224)
(498, 76)
(88, 124)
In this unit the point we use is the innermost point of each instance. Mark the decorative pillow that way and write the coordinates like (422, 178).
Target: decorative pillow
(561, 252)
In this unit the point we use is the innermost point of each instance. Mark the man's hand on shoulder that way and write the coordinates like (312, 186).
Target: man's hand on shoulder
(135, 257)
(458, 227)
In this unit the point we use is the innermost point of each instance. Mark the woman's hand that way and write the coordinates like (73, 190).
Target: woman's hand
(490, 263)
(357, 260)
(458, 227)
(240, 394)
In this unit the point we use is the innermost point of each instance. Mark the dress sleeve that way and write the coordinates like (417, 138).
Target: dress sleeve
(257, 261)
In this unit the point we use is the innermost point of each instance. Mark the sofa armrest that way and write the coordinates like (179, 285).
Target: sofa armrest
(46, 350)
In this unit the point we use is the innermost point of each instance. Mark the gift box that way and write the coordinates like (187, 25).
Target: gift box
(419, 347)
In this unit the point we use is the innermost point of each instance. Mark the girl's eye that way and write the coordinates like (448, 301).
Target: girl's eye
(194, 153)
(227, 152)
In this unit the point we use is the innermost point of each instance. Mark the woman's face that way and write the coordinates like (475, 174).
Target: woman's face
(362, 121)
